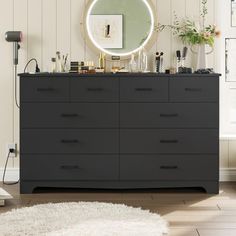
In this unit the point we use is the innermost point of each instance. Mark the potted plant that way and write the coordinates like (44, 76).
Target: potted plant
(192, 34)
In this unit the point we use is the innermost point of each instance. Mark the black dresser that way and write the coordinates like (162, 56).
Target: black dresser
(123, 131)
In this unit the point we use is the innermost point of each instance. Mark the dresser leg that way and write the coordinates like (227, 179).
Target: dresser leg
(26, 188)
(211, 187)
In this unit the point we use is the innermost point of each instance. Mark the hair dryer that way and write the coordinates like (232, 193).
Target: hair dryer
(14, 37)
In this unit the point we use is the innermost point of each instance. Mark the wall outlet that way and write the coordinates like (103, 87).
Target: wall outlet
(12, 146)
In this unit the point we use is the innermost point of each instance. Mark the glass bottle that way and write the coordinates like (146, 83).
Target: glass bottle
(100, 61)
(144, 61)
(53, 65)
(132, 64)
(58, 62)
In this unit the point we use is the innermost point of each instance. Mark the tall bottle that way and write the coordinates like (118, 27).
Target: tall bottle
(142, 60)
(101, 61)
(53, 65)
(58, 62)
(132, 64)
(139, 66)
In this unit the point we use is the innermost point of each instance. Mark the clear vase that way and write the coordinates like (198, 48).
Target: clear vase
(142, 60)
(132, 65)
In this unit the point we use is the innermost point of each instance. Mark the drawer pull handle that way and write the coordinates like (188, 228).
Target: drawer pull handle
(70, 167)
(169, 141)
(193, 89)
(143, 89)
(65, 115)
(169, 115)
(69, 141)
(45, 89)
(95, 89)
(169, 167)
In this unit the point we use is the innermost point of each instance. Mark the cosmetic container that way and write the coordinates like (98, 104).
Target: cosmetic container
(58, 62)
(53, 65)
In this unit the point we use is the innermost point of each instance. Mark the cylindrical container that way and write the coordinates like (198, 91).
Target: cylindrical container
(101, 61)
(58, 62)
(132, 64)
(53, 65)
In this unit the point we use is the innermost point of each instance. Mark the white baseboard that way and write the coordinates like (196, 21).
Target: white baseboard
(2, 203)
(226, 174)
(12, 174)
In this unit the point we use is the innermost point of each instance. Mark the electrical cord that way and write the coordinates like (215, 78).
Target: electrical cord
(36, 68)
(17, 104)
(15, 87)
(15, 77)
(5, 167)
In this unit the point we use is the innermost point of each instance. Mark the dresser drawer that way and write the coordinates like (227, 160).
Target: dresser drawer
(95, 90)
(144, 89)
(67, 115)
(169, 141)
(169, 167)
(194, 89)
(73, 167)
(44, 90)
(49, 141)
(169, 115)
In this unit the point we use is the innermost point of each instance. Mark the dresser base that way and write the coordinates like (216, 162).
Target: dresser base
(211, 187)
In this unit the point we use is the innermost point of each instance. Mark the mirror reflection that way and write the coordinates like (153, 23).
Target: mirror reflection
(119, 27)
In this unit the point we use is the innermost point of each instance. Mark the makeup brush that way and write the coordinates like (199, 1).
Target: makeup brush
(178, 64)
(161, 61)
(178, 55)
(158, 60)
(184, 55)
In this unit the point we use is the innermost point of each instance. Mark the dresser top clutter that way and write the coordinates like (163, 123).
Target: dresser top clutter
(123, 75)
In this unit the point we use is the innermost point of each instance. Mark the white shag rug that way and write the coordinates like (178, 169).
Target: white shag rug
(81, 219)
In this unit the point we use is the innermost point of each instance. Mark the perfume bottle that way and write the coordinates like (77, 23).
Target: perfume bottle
(102, 60)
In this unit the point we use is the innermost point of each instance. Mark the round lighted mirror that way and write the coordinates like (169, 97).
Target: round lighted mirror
(120, 27)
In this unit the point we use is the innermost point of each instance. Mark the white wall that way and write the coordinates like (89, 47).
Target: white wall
(50, 25)
(228, 92)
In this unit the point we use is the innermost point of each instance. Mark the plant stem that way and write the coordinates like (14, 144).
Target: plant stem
(204, 12)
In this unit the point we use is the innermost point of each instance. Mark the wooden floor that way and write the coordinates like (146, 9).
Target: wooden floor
(189, 212)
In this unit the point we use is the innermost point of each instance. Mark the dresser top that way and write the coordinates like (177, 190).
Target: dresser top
(116, 75)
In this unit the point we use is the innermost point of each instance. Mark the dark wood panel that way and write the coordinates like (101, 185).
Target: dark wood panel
(95, 90)
(70, 167)
(44, 90)
(69, 141)
(169, 167)
(66, 115)
(143, 89)
(169, 141)
(169, 115)
(194, 89)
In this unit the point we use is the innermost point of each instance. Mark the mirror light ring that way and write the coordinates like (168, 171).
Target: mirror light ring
(120, 54)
